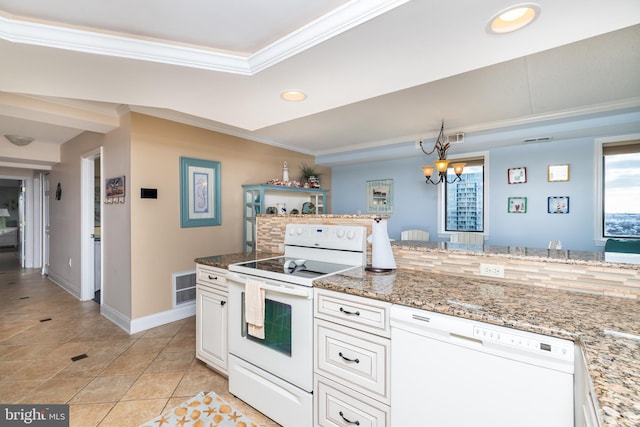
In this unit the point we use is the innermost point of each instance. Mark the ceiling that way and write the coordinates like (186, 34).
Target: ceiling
(377, 73)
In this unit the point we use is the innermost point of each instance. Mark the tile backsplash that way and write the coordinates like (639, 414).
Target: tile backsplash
(580, 275)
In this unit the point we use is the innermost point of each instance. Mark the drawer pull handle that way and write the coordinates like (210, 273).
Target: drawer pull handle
(348, 420)
(213, 277)
(353, 313)
(347, 359)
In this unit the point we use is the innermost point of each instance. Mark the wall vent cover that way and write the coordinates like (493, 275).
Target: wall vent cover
(184, 288)
(538, 139)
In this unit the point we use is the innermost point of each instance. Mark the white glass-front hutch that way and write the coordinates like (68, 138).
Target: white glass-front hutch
(268, 198)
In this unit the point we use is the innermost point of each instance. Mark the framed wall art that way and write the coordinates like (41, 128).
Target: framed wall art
(380, 196)
(114, 190)
(557, 173)
(199, 192)
(558, 205)
(517, 205)
(517, 175)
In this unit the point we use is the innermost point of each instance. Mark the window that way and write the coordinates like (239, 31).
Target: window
(621, 189)
(464, 199)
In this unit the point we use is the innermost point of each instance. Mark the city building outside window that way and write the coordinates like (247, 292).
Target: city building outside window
(621, 189)
(464, 199)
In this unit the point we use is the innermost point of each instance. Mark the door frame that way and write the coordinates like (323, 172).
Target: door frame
(87, 223)
(45, 233)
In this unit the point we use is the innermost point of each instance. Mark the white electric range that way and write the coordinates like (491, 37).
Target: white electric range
(275, 374)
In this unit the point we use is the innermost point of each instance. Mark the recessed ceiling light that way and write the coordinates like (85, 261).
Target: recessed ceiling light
(293, 95)
(513, 18)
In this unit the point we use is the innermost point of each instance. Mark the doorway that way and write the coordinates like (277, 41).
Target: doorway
(91, 226)
(11, 223)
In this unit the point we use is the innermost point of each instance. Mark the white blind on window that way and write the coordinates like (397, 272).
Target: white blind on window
(623, 147)
(473, 161)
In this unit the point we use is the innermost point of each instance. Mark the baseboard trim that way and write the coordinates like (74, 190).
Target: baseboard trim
(162, 318)
(64, 284)
(120, 320)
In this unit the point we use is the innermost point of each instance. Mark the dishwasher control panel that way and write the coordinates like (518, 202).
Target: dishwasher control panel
(554, 347)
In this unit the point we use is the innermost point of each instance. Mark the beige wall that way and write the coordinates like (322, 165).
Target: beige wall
(64, 214)
(116, 222)
(159, 246)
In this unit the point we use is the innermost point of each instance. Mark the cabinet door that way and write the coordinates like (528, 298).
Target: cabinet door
(338, 406)
(356, 360)
(211, 328)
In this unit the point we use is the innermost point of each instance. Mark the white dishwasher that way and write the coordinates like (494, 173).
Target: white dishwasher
(452, 372)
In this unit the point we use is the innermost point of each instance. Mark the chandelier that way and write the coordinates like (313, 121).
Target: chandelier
(442, 163)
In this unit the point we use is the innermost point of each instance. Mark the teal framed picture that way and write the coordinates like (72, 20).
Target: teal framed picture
(517, 205)
(199, 193)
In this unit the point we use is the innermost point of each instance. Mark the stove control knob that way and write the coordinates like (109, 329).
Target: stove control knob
(351, 235)
(340, 233)
(299, 231)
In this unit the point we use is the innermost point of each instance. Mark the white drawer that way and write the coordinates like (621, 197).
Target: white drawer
(366, 314)
(207, 275)
(337, 406)
(359, 361)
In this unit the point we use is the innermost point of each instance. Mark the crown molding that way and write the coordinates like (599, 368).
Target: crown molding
(332, 24)
(41, 33)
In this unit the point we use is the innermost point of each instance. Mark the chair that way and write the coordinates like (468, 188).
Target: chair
(467, 238)
(629, 246)
(414, 235)
(555, 244)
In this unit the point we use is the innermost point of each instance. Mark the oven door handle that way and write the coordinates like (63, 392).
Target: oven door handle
(298, 291)
(307, 293)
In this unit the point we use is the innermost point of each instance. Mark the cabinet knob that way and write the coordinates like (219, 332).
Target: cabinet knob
(223, 302)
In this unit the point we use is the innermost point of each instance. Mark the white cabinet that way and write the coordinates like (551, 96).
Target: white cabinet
(211, 317)
(258, 198)
(352, 360)
(586, 404)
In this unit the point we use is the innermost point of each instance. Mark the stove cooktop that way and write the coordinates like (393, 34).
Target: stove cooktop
(294, 270)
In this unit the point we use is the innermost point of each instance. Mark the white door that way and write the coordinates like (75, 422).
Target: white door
(22, 224)
(46, 226)
(90, 196)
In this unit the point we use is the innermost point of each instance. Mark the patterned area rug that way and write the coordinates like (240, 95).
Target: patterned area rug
(202, 410)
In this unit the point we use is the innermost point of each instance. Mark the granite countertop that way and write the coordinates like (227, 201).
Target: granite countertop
(223, 261)
(590, 320)
(565, 256)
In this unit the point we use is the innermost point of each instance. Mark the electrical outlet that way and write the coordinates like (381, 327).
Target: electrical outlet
(281, 247)
(492, 270)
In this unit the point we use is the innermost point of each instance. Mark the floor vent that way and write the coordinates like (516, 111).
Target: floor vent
(184, 288)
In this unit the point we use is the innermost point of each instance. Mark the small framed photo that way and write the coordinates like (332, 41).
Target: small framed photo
(517, 175)
(380, 196)
(557, 173)
(517, 205)
(558, 205)
(114, 189)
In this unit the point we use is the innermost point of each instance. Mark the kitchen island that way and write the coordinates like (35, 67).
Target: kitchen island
(599, 324)
(606, 327)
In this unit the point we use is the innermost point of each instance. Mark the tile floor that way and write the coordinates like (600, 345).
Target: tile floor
(125, 380)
